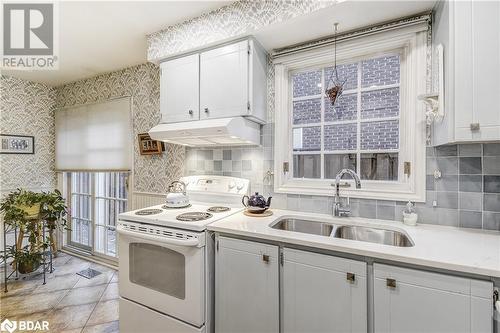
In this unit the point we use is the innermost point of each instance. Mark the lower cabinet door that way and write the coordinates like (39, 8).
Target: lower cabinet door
(247, 287)
(322, 293)
(408, 300)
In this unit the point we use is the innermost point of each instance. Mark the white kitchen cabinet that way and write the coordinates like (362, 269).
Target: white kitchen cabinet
(470, 33)
(226, 81)
(408, 300)
(179, 93)
(322, 293)
(246, 287)
(233, 81)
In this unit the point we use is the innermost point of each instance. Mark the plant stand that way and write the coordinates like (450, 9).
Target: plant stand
(46, 266)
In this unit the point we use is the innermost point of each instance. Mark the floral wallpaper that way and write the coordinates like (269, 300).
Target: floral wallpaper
(238, 19)
(27, 108)
(151, 173)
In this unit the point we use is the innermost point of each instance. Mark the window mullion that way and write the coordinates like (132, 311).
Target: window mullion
(93, 187)
(358, 127)
(322, 128)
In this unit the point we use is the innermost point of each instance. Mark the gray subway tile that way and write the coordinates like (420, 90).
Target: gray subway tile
(431, 165)
(491, 149)
(200, 165)
(386, 212)
(491, 165)
(447, 183)
(470, 150)
(447, 199)
(226, 154)
(427, 215)
(430, 151)
(367, 210)
(447, 165)
(448, 217)
(227, 165)
(470, 165)
(218, 165)
(470, 183)
(450, 150)
(469, 219)
(491, 221)
(236, 154)
(208, 154)
(491, 202)
(217, 154)
(491, 184)
(470, 200)
(236, 165)
(429, 183)
(246, 165)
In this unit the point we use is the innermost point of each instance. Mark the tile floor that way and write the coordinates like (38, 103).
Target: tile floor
(69, 302)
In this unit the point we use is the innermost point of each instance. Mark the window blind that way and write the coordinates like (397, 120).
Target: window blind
(94, 137)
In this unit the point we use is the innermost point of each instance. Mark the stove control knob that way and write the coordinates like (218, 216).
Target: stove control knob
(231, 185)
(239, 186)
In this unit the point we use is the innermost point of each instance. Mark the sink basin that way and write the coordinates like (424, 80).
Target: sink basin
(373, 235)
(305, 226)
(358, 233)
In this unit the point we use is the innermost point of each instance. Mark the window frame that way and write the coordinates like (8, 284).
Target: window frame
(411, 43)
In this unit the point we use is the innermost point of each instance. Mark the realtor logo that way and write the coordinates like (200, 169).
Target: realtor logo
(29, 36)
(9, 326)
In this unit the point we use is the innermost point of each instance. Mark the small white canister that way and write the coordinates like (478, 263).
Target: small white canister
(410, 217)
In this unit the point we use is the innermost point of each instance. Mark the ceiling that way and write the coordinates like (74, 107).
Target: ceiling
(350, 14)
(103, 36)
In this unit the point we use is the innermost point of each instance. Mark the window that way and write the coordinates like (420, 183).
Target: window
(361, 132)
(96, 200)
(376, 127)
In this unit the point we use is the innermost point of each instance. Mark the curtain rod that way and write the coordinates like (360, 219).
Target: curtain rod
(352, 34)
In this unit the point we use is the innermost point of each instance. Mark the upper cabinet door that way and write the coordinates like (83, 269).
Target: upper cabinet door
(179, 93)
(486, 66)
(224, 81)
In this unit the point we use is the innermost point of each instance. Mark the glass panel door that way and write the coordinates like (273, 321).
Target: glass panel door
(95, 199)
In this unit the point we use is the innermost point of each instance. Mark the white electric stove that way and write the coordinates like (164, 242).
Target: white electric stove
(166, 258)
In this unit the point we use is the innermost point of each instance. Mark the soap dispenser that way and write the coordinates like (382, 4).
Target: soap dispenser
(409, 215)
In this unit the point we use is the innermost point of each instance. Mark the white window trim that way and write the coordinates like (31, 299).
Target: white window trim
(412, 42)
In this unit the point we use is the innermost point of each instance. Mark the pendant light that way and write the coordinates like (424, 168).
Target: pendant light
(335, 86)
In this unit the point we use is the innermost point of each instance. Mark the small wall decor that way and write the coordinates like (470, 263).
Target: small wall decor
(148, 146)
(17, 144)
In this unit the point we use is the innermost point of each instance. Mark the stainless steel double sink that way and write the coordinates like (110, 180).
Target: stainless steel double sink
(353, 232)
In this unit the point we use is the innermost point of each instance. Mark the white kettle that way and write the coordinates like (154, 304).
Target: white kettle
(176, 196)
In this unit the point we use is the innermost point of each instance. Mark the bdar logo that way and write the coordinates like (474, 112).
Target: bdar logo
(9, 326)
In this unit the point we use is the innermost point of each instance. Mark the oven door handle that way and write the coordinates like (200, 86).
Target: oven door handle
(165, 240)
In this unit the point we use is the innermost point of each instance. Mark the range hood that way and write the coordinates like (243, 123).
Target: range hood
(236, 131)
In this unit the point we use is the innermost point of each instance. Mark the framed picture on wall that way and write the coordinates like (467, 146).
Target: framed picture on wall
(17, 144)
(148, 146)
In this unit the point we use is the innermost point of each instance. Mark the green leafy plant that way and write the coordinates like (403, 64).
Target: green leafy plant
(27, 211)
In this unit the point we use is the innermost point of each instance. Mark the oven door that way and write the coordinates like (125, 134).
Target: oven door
(163, 269)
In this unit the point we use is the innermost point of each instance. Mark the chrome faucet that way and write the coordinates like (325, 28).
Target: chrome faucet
(338, 208)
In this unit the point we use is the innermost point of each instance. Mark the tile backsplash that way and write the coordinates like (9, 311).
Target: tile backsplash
(466, 195)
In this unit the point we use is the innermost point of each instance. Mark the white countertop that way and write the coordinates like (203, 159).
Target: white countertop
(455, 249)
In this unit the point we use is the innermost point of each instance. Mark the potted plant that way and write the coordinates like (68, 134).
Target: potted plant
(54, 211)
(26, 211)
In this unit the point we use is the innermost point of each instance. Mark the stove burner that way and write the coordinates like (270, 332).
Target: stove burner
(148, 211)
(166, 207)
(194, 216)
(218, 209)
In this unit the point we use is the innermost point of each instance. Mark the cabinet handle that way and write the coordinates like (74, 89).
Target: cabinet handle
(265, 258)
(391, 283)
(474, 127)
(206, 110)
(351, 277)
(190, 112)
